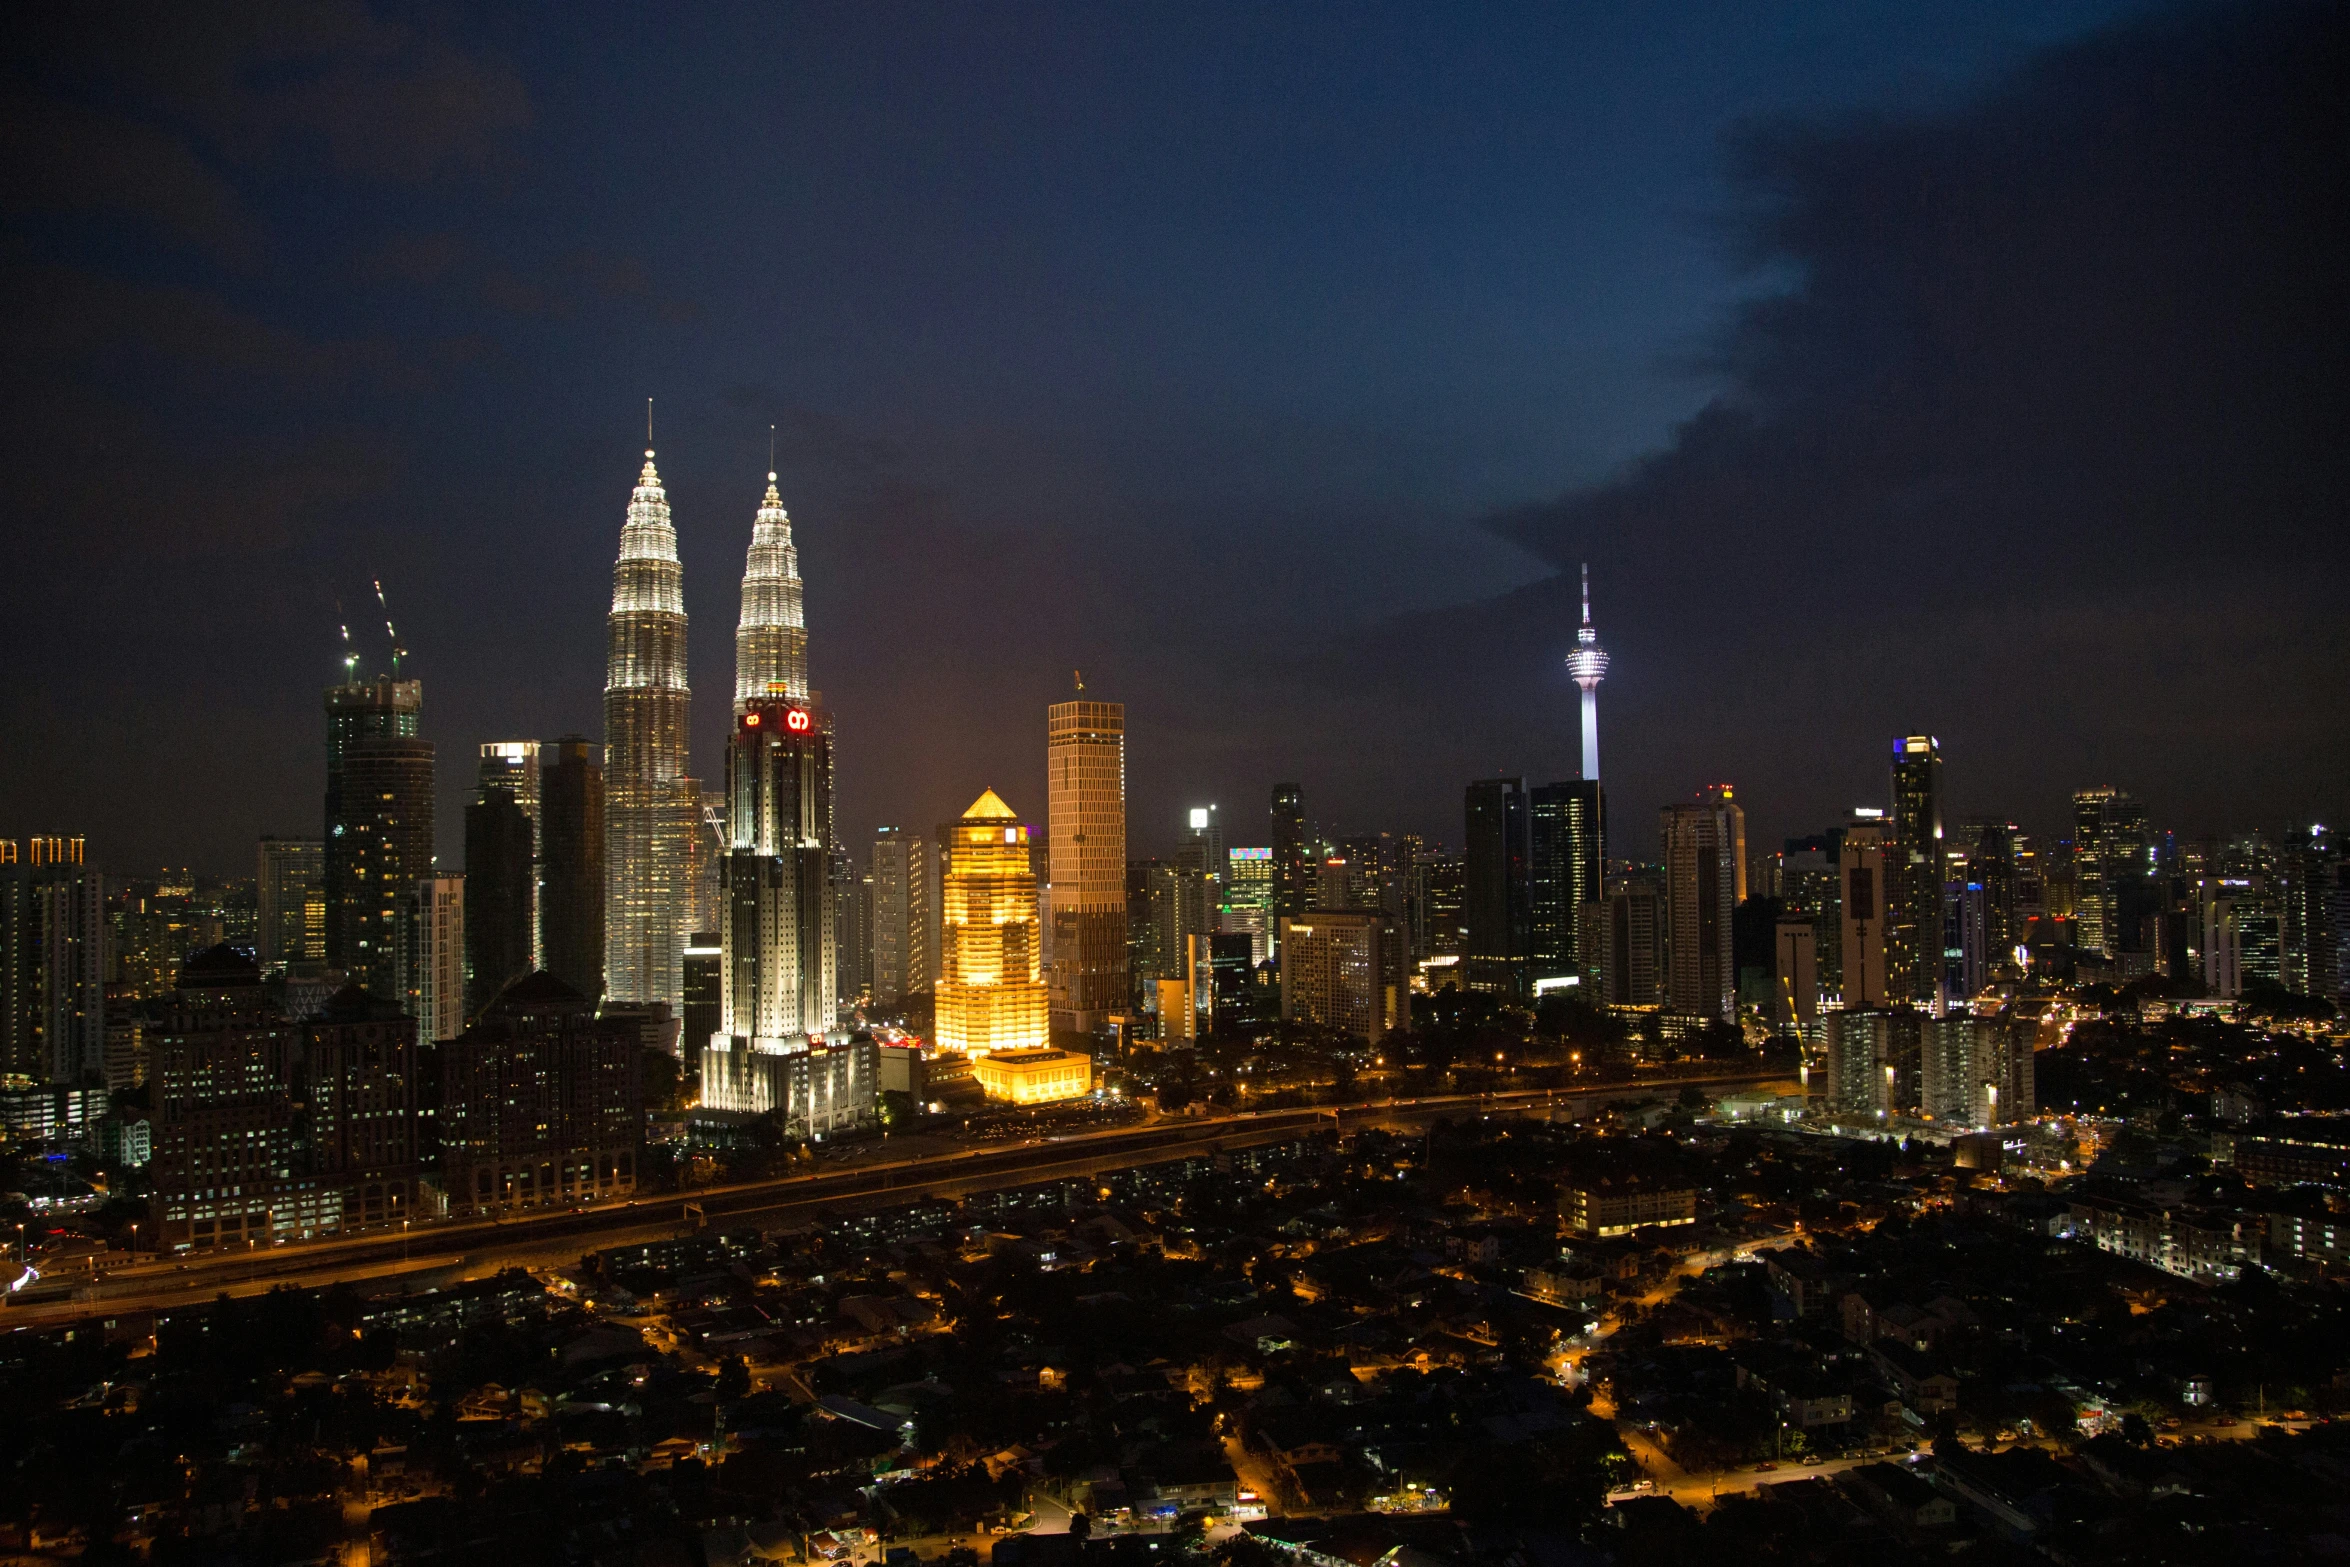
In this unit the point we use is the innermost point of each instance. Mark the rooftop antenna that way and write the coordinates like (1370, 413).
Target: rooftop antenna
(398, 652)
(1080, 674)
(771, 451)
(648, 421)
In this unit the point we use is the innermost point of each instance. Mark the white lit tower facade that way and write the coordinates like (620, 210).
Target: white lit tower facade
(779, 981)
(649, 795)
(778, 929)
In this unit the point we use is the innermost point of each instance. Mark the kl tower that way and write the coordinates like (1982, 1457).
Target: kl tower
(1588, 665)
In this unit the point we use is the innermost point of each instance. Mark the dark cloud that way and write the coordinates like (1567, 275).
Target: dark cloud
(2093, 323)
(2042, 447)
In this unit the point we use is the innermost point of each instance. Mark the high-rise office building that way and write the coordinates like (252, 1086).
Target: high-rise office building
(1166, 905)
(379, 822)
(1085, 770)
(1810, 872)
(1295, 875)
(1701, 883)
(1202, 848)
(428, 981)
(1495, 888)
(227, 1140)
(852, 930)
(649, 792)
(1565, 860)
(52, 961)
(1438, 905)
(1990, 844)
(1725, 798)
(290, 895)
(501, 879)
(513, 765)
(1346, 970)
(571, 865)
(1632, 951)
(1861, 938)
(1915, 870)
(359, 1066)
(2309, 873)
(901, 916)
(2111, 870)
(1248, 900)
(781, 986)
(991, 991)
(540, 1103)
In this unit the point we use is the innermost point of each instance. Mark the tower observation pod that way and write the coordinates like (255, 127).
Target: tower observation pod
(1588, 665)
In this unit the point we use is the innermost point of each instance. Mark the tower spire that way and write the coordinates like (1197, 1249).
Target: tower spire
(771, 639)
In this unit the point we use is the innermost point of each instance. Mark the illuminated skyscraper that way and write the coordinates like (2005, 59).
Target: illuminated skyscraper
(429, 976)
(1085, 763)
(52, 961)
(513, 765)
(781, 989)
(648, 786)
(1916, 866)
(901, 916)
(2110, 869)
(1497, 887)
(1294, 873)
(991, 994)
(291, 891)
(1701, 883)
(1248, 900)
(1566, 849)
(379, 823)
(781, 973)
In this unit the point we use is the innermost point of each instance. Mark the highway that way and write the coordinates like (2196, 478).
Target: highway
(441, 1252)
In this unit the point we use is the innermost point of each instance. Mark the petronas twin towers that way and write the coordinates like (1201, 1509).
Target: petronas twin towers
(778, 979)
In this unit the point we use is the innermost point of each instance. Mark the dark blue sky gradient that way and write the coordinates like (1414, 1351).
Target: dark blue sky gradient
(1199, 347)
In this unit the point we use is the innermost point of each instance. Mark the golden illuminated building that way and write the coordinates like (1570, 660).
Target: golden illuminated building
(991, 995)
(1033, 1077)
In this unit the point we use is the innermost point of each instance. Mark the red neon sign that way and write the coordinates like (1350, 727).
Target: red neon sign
(796, 720)
(750, 720)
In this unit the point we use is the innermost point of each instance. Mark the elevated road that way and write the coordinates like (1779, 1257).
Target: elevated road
(449, 1250)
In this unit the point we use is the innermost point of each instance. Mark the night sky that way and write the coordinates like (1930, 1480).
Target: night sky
(1973, 369)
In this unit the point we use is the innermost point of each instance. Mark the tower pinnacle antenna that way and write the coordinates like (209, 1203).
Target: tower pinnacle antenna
(648, 421)
(771, 454)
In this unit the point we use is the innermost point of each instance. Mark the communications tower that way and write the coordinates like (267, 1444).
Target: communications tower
(1588, 665)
